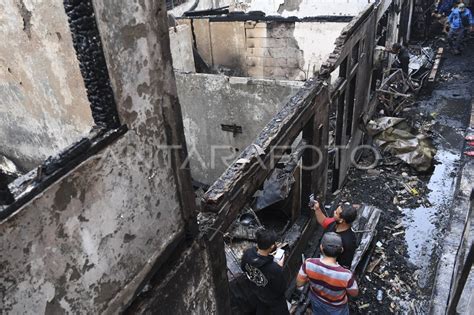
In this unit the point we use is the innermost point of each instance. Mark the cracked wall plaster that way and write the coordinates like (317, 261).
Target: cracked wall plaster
(44, 107)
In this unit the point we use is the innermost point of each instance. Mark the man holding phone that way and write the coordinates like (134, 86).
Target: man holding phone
(265, 275)
(341, 223)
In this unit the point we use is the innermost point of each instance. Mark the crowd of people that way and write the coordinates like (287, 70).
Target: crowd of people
(329, 277)
(458, 20)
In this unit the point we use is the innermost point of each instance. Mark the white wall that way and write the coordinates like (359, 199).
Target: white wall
(181, 45)
(303, 9)
(210, 100)
(202, 5)
(276, 50)
(316, 40)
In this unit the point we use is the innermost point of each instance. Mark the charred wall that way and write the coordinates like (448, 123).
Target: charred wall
(278, 49)
(213, 105)
(302, 8)
(44, 106)
(184, 288)
(91, 240)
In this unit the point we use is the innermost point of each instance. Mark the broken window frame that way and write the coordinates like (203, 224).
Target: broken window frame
(88, 46)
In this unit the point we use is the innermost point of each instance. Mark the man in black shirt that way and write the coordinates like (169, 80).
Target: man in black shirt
(266, 276)
(403, 56)
(341, 223)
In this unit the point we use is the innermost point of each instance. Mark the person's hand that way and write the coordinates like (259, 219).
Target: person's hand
(281, 261)
(316, 205)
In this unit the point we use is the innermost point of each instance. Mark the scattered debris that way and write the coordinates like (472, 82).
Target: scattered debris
(364, 306)
(395, 93)
(393, 135)
(242, 161)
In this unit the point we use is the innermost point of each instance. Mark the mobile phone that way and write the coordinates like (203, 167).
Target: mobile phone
(312, 201)
(278, 254)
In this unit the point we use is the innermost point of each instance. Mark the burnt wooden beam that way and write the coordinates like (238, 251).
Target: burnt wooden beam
(245, 176)
(309, 158)
(315, 162)
(350, 35)
(437, 62)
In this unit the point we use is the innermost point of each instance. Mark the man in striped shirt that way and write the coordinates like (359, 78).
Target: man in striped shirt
(329, 282)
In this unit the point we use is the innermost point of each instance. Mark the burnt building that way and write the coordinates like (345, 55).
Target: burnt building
(147, 148)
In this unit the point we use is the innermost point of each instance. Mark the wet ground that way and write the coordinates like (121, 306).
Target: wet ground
(405, 259)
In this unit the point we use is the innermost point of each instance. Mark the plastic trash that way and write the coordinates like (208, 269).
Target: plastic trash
(379, 296)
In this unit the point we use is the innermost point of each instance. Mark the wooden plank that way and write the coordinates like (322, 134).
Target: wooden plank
(366, 225)
(309, 159)
(293, 261)
(437, 62)
(352, 34)
(296, 195)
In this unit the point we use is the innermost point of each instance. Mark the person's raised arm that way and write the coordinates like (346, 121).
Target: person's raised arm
(320, 216)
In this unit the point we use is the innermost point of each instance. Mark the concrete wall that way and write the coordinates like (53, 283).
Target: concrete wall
(302, 8)
(181, 44)
(211, 100)
(212, 4)
(168, 292)
(76, 246)
(43, 103)
(89, 241)
(277, 50)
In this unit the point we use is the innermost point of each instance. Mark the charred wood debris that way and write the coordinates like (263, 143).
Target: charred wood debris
(390, 283)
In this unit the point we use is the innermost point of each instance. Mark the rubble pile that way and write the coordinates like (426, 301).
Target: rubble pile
(390, 280)
(391, 283)
(395, 136)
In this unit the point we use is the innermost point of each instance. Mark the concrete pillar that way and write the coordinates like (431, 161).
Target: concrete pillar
(136, 44)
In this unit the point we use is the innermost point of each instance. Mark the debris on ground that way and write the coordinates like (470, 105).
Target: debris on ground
(394, 135)
(396, 93)
(421, 62)
(389, 270)
(403, 264)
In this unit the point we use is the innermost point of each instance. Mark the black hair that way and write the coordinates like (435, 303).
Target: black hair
(396, 46)
(348, 213)
(331, 251)
(265, 238)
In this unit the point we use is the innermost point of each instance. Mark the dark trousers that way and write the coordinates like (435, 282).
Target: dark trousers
(455, 38)
(276, 308)
(321, 308)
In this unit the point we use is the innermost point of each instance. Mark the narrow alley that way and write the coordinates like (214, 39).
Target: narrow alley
(413, 227)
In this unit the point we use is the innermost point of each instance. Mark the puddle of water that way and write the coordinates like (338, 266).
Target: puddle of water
(421, 228)
(423, 225)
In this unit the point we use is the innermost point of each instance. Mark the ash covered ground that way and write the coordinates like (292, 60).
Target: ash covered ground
(404, 261)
